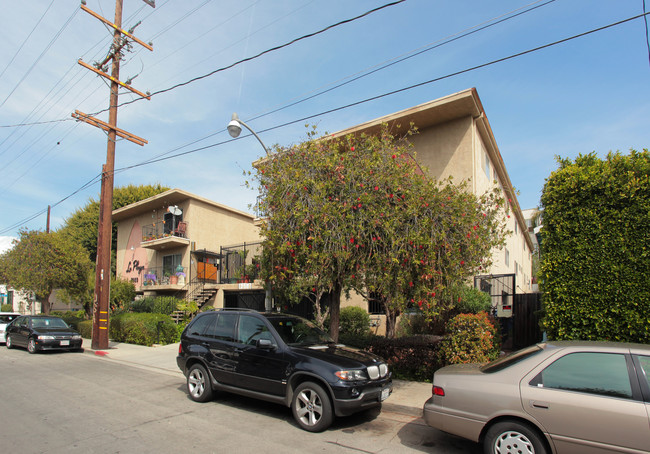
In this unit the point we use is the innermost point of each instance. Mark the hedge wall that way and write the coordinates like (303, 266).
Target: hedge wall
(596, 248)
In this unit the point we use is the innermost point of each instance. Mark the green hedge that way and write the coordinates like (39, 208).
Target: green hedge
(595, 248)
(72, 318)
(85, 328)
(143, 329)
(409, 358)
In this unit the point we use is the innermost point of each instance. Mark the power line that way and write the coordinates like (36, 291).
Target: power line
(309, 117)
(273, 49)
(41, 56)
(26, 39)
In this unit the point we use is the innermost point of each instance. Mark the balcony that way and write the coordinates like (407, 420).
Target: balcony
(162, 278)
(160, 236)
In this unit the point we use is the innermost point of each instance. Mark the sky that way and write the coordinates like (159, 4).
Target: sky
(215, 57)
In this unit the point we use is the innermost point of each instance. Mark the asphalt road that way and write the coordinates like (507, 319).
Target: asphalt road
(79, 403)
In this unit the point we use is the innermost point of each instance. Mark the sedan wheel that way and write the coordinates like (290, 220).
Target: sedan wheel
(311, 407)
(198, 384)
(9, 342)
(31, 345)
(510, 437)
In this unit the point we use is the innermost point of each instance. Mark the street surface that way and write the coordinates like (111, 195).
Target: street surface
(81, 403)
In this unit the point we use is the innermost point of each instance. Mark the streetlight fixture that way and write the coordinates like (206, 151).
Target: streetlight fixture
(234, 129)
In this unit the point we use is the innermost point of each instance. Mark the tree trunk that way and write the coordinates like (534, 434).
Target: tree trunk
(335, 310)
(391, 322)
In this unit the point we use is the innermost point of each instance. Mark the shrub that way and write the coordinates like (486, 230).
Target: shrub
(354, 321)
(143, 305)
(72, 318)
(409, 358)
(595, 258)
(85, 328)
(471, 338)
(165, 305)
(7, 308)
(143, 329)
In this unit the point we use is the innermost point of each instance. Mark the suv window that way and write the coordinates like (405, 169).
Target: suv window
(223, 327)
(251, 329)
(595, 373)
(200, 325)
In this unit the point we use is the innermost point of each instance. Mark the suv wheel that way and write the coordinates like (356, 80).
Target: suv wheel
(311, 407)
(31, 345)
(198, 384)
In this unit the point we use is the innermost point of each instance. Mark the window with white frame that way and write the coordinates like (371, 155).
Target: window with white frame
(507, 257)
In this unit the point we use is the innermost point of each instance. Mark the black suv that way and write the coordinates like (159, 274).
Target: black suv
(280, 358)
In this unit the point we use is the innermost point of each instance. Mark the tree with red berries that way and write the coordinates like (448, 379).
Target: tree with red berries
(358, 213)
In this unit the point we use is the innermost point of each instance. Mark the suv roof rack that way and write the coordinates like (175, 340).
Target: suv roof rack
(241, 309)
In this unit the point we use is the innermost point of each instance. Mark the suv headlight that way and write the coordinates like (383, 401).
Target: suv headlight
(46, 337)
(351, 375)
(76, 337)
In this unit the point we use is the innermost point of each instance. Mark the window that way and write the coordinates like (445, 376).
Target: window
(170, 263)
(645, 366)
(604, 374)
(223, 328)
(374, 305)
(251, 329)
(486, 164)
(170, 222)
(507, 257)
(200, 325)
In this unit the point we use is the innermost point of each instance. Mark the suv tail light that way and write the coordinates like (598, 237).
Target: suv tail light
(180, 348)
(437, 391)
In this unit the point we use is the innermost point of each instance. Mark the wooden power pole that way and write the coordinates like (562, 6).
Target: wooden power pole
(101, 302)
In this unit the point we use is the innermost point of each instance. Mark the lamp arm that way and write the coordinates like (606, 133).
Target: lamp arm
(256, 136)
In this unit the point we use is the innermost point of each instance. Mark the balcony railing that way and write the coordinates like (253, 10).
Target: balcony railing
(240, 263)
(163, 276)
(161, 230)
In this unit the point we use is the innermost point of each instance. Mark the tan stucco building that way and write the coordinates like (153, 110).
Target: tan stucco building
(455, 139)
(177, 243)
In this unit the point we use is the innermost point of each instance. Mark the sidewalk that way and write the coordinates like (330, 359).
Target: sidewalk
(407, 398)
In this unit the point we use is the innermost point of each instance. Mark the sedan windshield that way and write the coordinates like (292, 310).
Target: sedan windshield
(298, 331)
(46, 322)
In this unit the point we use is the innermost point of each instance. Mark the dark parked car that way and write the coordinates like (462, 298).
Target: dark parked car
(42, 332)
(556, 397)
(5, 319)
(280, 358)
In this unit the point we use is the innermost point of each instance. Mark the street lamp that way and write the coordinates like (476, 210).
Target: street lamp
(234, 129)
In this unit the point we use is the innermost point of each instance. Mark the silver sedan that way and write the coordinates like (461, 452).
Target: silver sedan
(556, 397)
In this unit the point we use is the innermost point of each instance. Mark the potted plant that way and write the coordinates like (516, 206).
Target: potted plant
(180, 275)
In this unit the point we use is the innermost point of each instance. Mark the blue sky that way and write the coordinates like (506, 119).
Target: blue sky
(589, 94)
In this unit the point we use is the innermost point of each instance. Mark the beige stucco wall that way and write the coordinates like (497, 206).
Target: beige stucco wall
(209, 226)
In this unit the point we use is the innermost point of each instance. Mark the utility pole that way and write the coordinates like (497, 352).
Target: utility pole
(101, 301)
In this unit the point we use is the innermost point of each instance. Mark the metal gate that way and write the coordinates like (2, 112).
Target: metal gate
(247, 300)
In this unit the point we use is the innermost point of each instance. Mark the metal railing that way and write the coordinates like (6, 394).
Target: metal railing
(240, 263)
(161, 230)
(164, 276)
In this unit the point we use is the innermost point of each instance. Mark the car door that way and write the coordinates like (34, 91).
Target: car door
(589, 403)
(20, 331)
(259, 368)
(218, 338)
(642, 365)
